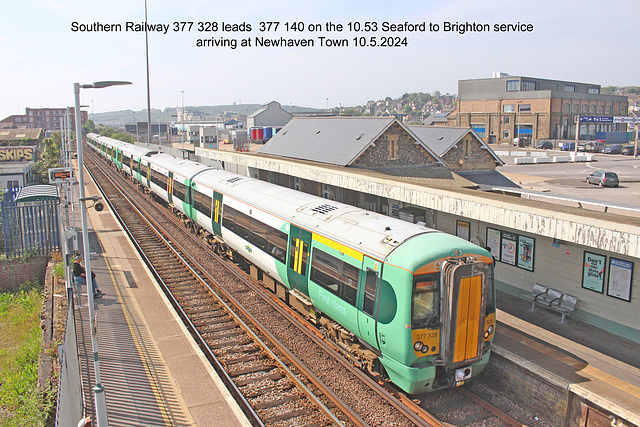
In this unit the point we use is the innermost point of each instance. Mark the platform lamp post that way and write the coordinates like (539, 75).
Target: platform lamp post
(98, 390)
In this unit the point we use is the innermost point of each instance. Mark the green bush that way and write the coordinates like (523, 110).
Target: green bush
(21, 404)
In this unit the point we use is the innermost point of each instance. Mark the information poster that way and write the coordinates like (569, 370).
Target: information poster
(509, 244)
(493, 242)
(620, 274)
(593, 272)
(526, 246)
(463, 229)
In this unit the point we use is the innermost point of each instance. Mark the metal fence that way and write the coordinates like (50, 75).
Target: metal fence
(70, 407)
(30, 227)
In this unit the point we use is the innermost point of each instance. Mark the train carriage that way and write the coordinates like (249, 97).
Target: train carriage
(414, 301)
(131, 159)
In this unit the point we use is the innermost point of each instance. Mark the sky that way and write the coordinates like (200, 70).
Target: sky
(42, 56)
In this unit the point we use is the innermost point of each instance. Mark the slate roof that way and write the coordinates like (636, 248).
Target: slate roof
(436, 118)
(487, 180)
(333, 140)
(441, 139)
(18, 134)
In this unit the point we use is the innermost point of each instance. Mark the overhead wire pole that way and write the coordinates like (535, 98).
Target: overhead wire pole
(146, 33)
(98, 389)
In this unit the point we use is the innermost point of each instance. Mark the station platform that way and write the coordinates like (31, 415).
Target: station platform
(153, 372)
(587, 361)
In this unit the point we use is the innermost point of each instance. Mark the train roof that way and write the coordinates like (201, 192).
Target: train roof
(186, 168)
(134, 150)
(376, 235)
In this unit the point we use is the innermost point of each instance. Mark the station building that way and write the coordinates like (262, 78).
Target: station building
(505, 107)
(17, 160)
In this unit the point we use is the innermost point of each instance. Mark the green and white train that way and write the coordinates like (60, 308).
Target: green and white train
(402, 299)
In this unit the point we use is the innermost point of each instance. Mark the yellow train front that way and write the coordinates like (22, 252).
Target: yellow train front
(442, 338)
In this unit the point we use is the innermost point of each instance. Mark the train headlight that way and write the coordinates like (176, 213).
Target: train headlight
(488, 332)
(418, 346)
(463, 374)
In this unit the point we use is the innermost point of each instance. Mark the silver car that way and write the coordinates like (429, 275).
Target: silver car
(603, 179)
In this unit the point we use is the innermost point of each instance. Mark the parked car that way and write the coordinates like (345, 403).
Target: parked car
(603, 179)
(595, 146)
(612, 149)
(545, 145)
(628, 150)
(568, 146)
(582, 146)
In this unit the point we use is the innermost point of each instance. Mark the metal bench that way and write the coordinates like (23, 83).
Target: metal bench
(552, 299)
(565, 306)
(537, 292)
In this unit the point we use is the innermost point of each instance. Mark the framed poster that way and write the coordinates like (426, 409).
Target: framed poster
(508, 248)
(493, 242)
(593, 267)
(620, 275)
(526, 247)
(463, 229)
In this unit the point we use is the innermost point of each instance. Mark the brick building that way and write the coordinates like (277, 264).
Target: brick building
(42, 118)
(505, 107)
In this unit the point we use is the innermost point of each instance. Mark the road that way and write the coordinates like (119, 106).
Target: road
(568, 179)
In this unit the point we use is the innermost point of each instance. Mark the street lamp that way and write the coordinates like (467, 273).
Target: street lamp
(98, 390)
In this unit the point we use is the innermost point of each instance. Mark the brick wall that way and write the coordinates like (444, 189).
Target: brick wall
(395, 147)
(14, 273)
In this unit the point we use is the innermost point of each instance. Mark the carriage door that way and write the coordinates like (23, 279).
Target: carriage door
(216, 213)
(369, 284)
(464, 312)
(297, 265)
(170, 187)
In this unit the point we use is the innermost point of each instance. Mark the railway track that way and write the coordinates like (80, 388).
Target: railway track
(260, 369)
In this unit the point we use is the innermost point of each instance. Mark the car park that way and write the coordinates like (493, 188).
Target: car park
(612, 149)
(603, 179)
(545, 145)
(628, 150)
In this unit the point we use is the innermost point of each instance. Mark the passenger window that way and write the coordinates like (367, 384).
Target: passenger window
(425, 310)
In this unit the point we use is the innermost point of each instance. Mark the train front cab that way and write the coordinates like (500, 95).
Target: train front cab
(449, 329)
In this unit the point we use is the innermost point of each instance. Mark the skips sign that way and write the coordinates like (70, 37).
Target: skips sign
(17, 154)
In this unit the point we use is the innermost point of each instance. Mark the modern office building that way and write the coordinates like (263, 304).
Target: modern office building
(505, 107)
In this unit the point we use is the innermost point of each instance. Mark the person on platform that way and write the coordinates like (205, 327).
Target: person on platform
(80, 277)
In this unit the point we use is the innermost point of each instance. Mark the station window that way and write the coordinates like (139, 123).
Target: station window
(509, 108)
(524, 108)
(569, 88)
(594, 90)
(528, 85)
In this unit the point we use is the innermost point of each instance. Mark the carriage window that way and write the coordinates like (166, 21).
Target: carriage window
(370, 288)
(202, 203)
(335, 275)
(425, 310)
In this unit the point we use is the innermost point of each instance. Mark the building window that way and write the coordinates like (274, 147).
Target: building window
(569, 88)
(576, 108)
(513, 85)
(524, 108)
(609, 109)
(509, 108)
(479, 128)
(505, 134)
(585, 108)
(528, 85)
(506, 120)
(623, 110)
(566, 108)
(601, 109)
(594, 90)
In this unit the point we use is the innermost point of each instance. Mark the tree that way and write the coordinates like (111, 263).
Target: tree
(49, 158)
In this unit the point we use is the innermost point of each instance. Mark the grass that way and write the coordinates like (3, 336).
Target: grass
(21, 404)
